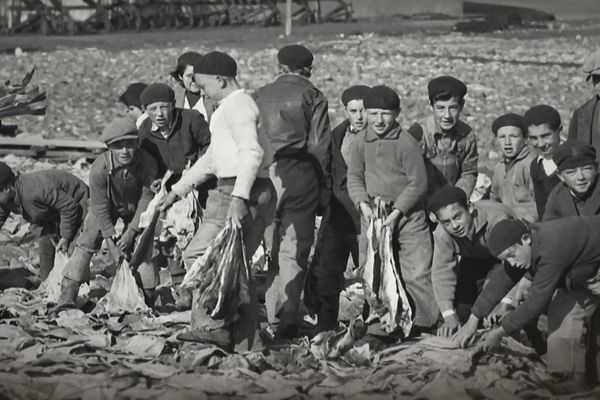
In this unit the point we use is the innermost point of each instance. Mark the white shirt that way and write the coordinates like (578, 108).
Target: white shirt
(199, 106)
(140, 119)
(235, 149)
(548, 164)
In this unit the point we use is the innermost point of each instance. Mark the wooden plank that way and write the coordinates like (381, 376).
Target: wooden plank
(56, 149)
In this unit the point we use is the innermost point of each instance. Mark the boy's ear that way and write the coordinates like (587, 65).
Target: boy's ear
(526, 239)
(433, 217)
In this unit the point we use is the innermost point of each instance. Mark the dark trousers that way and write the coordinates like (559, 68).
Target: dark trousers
(471, 275)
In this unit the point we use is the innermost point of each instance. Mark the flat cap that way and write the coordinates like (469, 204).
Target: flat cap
(295, 55)
(157, 92)
(510, 119)
(356, 92)
(381, 97)
(216, 63)
(6, 174)
(591, 66)
(445, 196)
(131, 95)
(573, 154)
(119, 129)
(505, 234)
(188, 58)
(542, 114)
(446, 84)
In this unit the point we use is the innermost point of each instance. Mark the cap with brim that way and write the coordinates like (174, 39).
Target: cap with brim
(573, 154)
(118, 130)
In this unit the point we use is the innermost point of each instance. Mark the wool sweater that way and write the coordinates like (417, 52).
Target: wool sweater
(120, 190)
(448, 250)
(51, 197)
(512, 185)
(389, 166)
(564, 253)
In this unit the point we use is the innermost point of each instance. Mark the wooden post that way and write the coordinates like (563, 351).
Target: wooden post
(288, 18)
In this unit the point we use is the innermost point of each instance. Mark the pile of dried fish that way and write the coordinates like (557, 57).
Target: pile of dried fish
(221, 275)
(384, 290)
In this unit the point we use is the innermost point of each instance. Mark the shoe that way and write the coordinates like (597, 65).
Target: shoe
(220, 337)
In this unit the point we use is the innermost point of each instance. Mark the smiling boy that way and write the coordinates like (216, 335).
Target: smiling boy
(511, 183)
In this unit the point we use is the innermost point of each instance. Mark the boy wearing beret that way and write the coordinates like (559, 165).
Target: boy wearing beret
(585, 122)
(461, 257)
(53, 201)
(447, 141)
(294, 118)
(244, 192)
(386, 163)
(511, 183)
(131, 99)
(120, 180)
(543, 126)
(579, 192)
(342, 229)
(563, 256)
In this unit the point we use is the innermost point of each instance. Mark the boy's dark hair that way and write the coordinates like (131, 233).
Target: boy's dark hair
(446, 196)
(304, 71)
(7, 176)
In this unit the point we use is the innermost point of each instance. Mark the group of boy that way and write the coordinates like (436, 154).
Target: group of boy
(278, 165)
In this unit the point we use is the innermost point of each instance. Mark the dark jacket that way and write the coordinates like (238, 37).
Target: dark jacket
(564, 253)
(188, 139)
(562, 203)
(294, 117)
(585, 124)
(120, 191)
(51, 198)
(345, 217)
(542, 185)
(390, 167)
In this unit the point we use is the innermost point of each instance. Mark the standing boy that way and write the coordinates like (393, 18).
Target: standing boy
(386, 163)
(511, 183)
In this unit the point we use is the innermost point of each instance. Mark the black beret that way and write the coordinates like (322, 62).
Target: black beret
(295, 55)
(354, 93)
(216, 63)
(6, 174)
(542, 114)
(381, 97)
(188, 58)
(157, 92)
(446, 196)
(573, 154)
(131, 95)
(446, 84)
(510, 119)
(505, 234)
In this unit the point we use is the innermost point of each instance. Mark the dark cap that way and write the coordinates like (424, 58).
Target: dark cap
(510, 119)
(542, 114)
(157, 92)
(573, 154)
(216, 63)
(119, 129)
(131, 95)
(188, 58)
(446, 84)
(381, 97)
(295, 55)
(505, 234)
(6, 174)
(354, 93)
(445, 196)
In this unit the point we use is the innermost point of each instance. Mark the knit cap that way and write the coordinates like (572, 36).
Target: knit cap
(216, 63)
(510, 119)
(505, 234)
(381, 97)
(295, 55)
(446, 84)
(157, 92)
(131, 95)
(354, 93)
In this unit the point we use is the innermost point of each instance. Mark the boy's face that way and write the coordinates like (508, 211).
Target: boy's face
(455, 219)
(518, 255)
(134, 112)
(446, 113)
(511, 141)
(5, 195)
(355, 112)
(188, 80)
(160, 113)
(211, 84)
(381, 120)
(543, 138)
(579, 179)
(123, 150)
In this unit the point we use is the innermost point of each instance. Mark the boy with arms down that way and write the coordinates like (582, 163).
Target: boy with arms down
(54, 201)
(386, 163)
(461, 258)
(511, 182)
(562, 255)
(120, 181)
